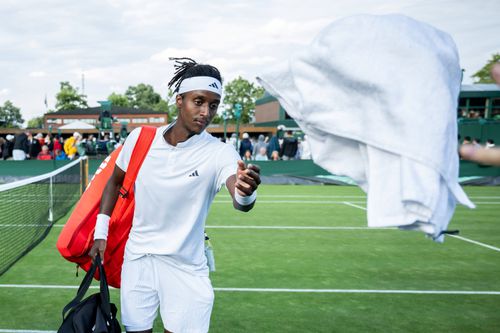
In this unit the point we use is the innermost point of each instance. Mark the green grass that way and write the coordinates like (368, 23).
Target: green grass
(310, 259)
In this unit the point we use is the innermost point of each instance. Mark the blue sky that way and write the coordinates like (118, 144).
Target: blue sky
(116, 44)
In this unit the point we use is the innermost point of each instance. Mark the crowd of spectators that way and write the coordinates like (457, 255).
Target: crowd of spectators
(25, 146)
(274, 148)
(476, 142)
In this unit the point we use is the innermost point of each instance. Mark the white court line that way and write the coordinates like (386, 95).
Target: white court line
(353, 205)
(362, 291)
(286, 290)
(476, 242)
(455, 236)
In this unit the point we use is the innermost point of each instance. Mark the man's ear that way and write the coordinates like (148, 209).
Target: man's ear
(178, 101)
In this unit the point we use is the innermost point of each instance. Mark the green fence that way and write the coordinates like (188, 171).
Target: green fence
(480, 128)
(304, 168)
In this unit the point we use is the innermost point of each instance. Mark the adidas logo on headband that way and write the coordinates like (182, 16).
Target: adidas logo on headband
(201, 83)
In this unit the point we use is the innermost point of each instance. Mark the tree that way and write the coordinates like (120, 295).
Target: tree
(171, 106)
(10, 115)
(119, 100)
(245, 93)
(36, 122)
(68, 98)
(142, 96)
(484, 74)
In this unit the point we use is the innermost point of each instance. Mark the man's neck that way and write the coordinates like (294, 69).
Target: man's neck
(176, 134)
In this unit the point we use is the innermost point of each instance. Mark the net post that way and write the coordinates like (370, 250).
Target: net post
(84, 173)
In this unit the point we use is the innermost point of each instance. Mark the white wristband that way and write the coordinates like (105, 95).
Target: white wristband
(101, 227)
(244, 200)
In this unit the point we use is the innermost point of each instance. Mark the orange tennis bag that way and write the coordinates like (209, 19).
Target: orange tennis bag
(77, 236)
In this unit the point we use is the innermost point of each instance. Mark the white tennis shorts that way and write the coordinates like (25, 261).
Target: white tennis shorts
(185, 300)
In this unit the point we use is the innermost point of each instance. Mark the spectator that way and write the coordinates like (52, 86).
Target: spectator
(2, 143)
(40, 138)
(275, 156)
(476, 142)
(261, 154)
(45, 154)
(34, 145)
(58, 144)
(60, 155)
(7, 147)
(232, 141)
(274, 144)
(102, 145)
(245, 144)
(247, 156)
(467, 140)
(260, 143)
(490, 143)
(49, 142)
(81, 146)
(289, 148)
(70, 145)
(21, 146)
(90, 145)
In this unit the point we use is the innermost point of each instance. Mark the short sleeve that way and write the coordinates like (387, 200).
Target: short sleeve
(128, 147)
(227, 164)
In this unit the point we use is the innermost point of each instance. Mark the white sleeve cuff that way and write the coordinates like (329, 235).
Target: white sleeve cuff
(101, 227)
(244, 200)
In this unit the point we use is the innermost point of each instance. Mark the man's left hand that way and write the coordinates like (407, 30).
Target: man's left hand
(247, 178)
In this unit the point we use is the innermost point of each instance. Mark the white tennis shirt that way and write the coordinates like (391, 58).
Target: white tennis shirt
(173, 192)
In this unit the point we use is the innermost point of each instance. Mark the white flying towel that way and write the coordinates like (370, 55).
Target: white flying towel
(377, 97)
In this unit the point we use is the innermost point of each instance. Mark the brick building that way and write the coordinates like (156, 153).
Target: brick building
(132, 117)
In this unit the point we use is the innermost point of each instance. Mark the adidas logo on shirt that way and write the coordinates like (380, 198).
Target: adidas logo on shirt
(194, 174)
(214, 85)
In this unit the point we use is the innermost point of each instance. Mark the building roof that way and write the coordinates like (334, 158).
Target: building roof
(265, 99)
(76, 125)
(481, 90)
(480, 87)
(97, 110)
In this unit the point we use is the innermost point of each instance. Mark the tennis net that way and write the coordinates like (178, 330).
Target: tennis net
(29, 208)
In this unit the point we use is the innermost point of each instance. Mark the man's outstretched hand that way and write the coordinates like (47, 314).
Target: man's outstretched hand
(247, 178)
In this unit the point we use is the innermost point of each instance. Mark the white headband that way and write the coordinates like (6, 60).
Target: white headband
(201, 83)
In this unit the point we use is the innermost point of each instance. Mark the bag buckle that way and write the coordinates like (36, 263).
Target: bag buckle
(123, 192)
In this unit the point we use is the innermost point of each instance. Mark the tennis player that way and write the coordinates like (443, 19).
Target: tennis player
(164, 265)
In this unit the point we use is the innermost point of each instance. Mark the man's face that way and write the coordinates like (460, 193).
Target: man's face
(197, 109)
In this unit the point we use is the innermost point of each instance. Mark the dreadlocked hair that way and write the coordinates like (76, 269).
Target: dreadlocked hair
(187, 67)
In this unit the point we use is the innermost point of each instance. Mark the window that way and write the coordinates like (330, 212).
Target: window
(54, 121)
(157, 119)
(139, 120)
(123, 120)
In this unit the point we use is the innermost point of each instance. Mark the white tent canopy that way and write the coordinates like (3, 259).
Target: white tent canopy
(77, 125)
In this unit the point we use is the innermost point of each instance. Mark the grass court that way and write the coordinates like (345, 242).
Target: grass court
(304, 261)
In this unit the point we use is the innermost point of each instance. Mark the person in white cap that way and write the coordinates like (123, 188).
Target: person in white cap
(164, 265)
(70, 145)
